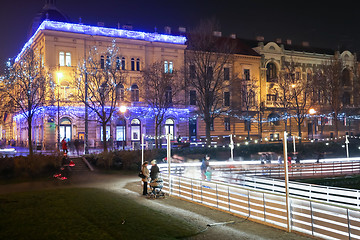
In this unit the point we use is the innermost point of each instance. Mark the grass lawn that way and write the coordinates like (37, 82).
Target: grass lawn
(84, 213)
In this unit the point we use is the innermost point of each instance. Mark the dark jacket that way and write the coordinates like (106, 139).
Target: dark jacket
(154, 171)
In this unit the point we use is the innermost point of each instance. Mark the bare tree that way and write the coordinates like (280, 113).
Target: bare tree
(206, 57)
(299, 93)
(26, 88)
(328, 80)
(163, 90)
(104, 75)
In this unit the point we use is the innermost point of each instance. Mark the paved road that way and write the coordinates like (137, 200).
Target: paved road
(198, 215)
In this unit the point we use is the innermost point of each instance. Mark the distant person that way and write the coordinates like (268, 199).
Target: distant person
(64, 145)
(280, 159)
(154, 171)
(203, 167)
(77, 146)
(145, 180)
(65, 165)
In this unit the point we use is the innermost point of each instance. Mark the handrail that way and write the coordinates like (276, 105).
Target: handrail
(308, 216)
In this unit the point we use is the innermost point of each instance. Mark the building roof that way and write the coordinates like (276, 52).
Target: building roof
(103, 31)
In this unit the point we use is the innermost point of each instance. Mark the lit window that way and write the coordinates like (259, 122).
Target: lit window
(132, 64)
(123, 63)
(166, 66)
(68, 59)
(138, 64)
(118, 63)
(247, 74)
(171, 67)
(61, 59)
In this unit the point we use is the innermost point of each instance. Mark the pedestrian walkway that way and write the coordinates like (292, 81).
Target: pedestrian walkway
(199, 216)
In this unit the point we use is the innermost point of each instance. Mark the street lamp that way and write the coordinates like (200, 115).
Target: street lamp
(312, 112)
(59, 76)
(123, 110)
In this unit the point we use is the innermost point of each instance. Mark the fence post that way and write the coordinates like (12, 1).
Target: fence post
(286, 182)
(312, 219)
(349, 225)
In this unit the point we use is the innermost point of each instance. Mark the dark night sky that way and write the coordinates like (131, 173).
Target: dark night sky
(322, 23)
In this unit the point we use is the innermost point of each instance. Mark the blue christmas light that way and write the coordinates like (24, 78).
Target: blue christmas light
(102, 31)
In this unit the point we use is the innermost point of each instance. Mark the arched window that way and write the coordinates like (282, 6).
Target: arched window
(169, 128)
(132, 64)
(102, 62)
(134, 93)
(271, 72)
(120, 92)
(120, 130)
(137, 64)
(135, 130)
(65, 129)
(168, 96)
(118, 63)
(123, 63)
(346, 77)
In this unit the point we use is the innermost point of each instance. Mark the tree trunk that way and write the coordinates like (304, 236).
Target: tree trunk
(29, 120)
(156, 134)
(336, 124)
(104, 136)
(299, 130)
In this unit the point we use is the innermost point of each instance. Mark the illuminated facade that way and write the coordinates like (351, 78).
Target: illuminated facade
(63, 46)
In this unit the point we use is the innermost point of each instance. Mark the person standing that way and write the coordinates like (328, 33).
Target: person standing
(154, 171)
(145, 180)
(203, 167)
(77, 146)
(64, 145)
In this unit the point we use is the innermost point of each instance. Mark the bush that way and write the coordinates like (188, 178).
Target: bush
(26, 166)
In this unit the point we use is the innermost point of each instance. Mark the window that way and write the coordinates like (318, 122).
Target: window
(134, 93)
(171, 67)
(68, 59)
(346, 77)
(271, 97)
(120, 92)
(168, 96)
(120, 130)
(346, 98)
(123, 63)
(169, 127)
(102, 62)
(227, 124)
(271, 72)
(107, 133)
(118, 63)
(226, 74)
(192, 97)
(226, 99)
(168, 67)
(64, 59)
(61, 59)
(135, 130)
(132, 64)
(137, 64)
(192, 71)
(247, 74)
(251, 98)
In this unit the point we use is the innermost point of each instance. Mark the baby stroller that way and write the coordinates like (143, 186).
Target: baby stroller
(156, 185)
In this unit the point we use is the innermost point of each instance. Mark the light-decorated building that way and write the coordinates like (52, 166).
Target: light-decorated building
(254, 66)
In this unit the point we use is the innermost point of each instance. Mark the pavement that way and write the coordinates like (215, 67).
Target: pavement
(198, 215)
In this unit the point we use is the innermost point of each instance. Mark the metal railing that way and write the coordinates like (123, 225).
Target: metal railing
(308, 216)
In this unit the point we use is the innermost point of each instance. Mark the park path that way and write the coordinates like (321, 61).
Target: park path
(195, 214)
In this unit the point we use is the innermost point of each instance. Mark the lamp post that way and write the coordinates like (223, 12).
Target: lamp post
(59, 76)
(123, 110)
(312, 112)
